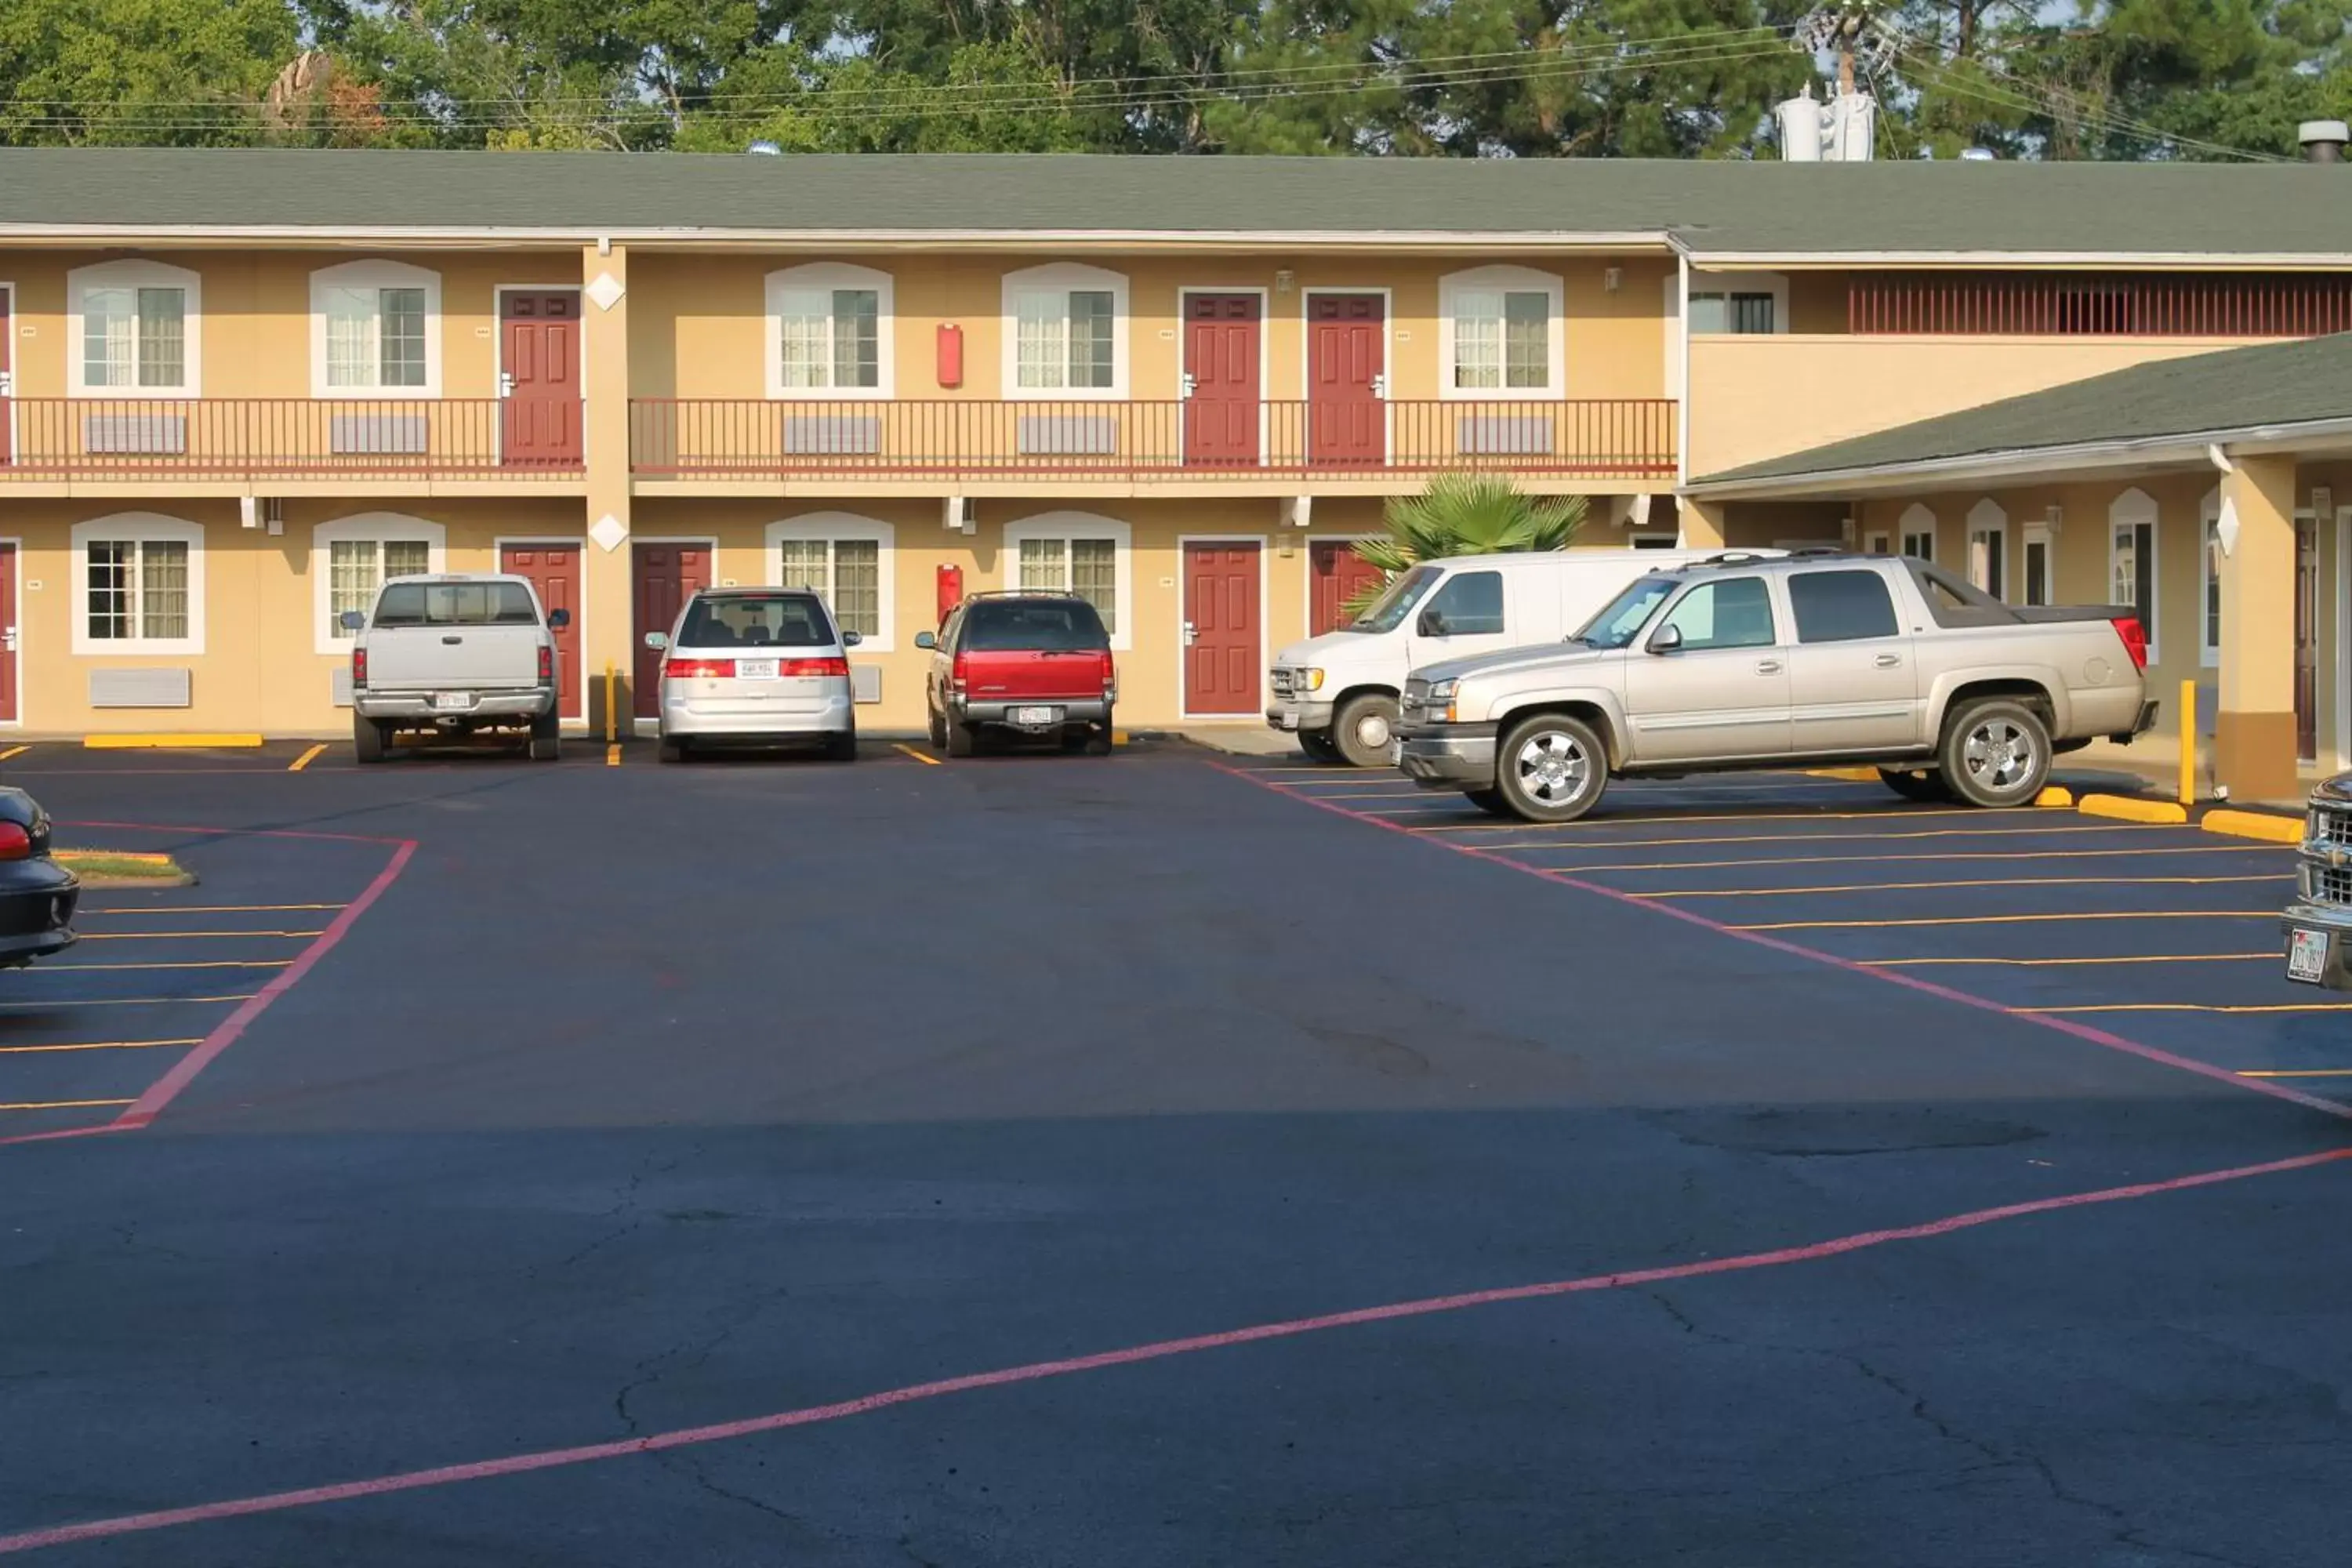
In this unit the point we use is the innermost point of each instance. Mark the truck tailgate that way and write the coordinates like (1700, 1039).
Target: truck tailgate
(452, 657)
(1066, 675)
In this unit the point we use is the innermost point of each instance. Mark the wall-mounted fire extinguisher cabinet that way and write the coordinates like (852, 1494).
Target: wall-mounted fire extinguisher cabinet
(950, 585)
(951, 355)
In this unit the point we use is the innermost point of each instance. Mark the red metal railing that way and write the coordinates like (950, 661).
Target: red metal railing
(263, 437)
(955, 438)
(2090, 304)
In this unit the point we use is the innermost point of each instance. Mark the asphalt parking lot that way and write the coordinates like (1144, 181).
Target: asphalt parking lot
(1167, 1160)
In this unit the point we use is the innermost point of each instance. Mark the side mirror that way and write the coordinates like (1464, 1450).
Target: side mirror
(850, 639)
(926, 640)
(658, 641)
(1666, 639)
(1431, 625)
(353, 620)
(558, 619)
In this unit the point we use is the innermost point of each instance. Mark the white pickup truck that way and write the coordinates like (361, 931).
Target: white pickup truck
(455, 654)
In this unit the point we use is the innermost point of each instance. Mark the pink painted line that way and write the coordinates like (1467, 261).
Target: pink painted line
(165, 1090)
(54, 1133)
(2085, 1032)
(244, 832)
(1159, 1349)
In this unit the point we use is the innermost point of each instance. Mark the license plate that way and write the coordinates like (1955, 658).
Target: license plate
(452, 702)
(2307, 956)
(1036, 715)
(1290, 721)
(755, 670)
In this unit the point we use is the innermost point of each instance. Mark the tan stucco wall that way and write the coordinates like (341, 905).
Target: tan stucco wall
(1762, 396)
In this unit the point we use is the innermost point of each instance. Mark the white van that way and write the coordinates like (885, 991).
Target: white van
(1338, 693)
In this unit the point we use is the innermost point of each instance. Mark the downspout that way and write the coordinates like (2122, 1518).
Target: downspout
(1683, 392)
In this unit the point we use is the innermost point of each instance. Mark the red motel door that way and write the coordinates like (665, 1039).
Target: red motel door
(540, 359)
(666, 576)
(1221, 358)
(1347, 357)
(554, 572)
(1337, 573)
(1221, 608)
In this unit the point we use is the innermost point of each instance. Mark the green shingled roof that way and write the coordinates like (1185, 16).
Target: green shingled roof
(1713, 208)
(2230, 390)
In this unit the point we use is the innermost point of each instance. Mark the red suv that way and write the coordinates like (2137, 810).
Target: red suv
(1038, 664)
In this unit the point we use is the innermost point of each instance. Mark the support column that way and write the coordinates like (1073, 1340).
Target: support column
(1702, 523)
(2254, 740)
(608, 589)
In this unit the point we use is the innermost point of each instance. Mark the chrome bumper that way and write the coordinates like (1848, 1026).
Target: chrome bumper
(1088, 710)
(1460, 756)
(1289, 715)
(417, 707)
(2337, 921)
(716, 720)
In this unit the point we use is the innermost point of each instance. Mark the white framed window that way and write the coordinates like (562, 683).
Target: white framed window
(133, 330)
(1739, 303)
(829, 332)
(1918, 525)
(1080, 552)
(138, 584)
(1988, 547)
(1065, 332)
(2132, 577)
(1500, 334)
(352, 556)
(2038, 568)
(850, 560)
(2208, 597)
(376, 331)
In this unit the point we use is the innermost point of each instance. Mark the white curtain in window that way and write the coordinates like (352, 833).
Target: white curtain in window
(1527, 339)
(857, 585)
(1045, 563)
(163, 588)
(162, 337)
(110, 325)
(806, 335)
(1042, 340)
(400, 337)
(1478, 339)
(1094, 573)
(351, 337)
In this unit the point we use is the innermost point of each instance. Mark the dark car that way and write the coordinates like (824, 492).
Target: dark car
(1033, 663)
(36, 894)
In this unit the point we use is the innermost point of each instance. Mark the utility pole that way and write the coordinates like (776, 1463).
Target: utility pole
(1851, 20)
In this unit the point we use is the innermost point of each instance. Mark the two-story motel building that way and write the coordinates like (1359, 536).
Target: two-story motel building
(237, 388)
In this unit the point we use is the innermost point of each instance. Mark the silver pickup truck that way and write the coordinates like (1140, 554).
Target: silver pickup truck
(455, 654)
(1744, 662)
(2318, 924)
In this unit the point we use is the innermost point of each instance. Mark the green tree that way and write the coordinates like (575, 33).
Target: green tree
(1465, 515)
(138, 72)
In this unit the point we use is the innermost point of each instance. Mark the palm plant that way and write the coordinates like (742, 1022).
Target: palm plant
(1464, 514)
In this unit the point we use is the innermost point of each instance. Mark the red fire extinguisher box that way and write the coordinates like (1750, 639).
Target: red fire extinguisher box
(950, 588)
(951, 355)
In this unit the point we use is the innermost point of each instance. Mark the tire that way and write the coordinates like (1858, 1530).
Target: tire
(1319, 746)
(963, 739)
(1363, 729)
(1925, 785)
(1098, 738)
(1489, 801)
(842, 748)
(938, 725)
(547, 737)
(1550, 768)
(671, 750)
(1996, 752)
(1074, 739)
(369, 739)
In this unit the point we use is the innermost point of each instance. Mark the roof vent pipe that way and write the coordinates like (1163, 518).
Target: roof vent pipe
(2323, 139)
(1977, 155)
(766, 149)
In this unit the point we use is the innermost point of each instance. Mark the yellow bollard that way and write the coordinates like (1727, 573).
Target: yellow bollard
(2189, 743)
(613, 708)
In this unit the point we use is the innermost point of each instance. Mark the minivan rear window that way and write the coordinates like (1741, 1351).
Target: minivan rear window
(1006, 626)
(456, 605)
(755, 620)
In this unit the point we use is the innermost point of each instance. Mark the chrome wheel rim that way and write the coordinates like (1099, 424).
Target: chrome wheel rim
(1552, 768)
(1373, 730)
(1999, 754)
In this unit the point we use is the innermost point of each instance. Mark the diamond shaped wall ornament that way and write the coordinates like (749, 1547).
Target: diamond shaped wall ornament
(606, 290)
(608, 531)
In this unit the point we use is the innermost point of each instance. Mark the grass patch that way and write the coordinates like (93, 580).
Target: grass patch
(123, 869)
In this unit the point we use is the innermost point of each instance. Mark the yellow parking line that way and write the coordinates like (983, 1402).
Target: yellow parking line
(184, 935)
(44, 1006)
(2058, 962)
(170, 741)
(2023, 919)
(192, 963)
(1592, 824)
(102, 1045)
(1909, 856)
(919, 756)
(298, 763)
(57, 1104)
(13, 752)
(1615, 844)
(2296, 1072)
(199, 908)
(1971, 882)
(2196, 1008)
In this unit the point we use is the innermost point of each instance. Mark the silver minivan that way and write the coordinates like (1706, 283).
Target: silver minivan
(755, 666)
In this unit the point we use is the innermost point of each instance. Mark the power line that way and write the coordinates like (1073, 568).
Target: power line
(2034, 97)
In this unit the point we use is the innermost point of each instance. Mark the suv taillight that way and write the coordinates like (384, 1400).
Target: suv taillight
(2135, 639)
(960, 673)
(699, 669)
(813, 667)
(359, 667)
(1109, 671)
(546, 663)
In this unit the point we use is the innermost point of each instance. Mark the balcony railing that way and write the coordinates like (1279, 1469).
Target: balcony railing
(287, 437)
(960, 439)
